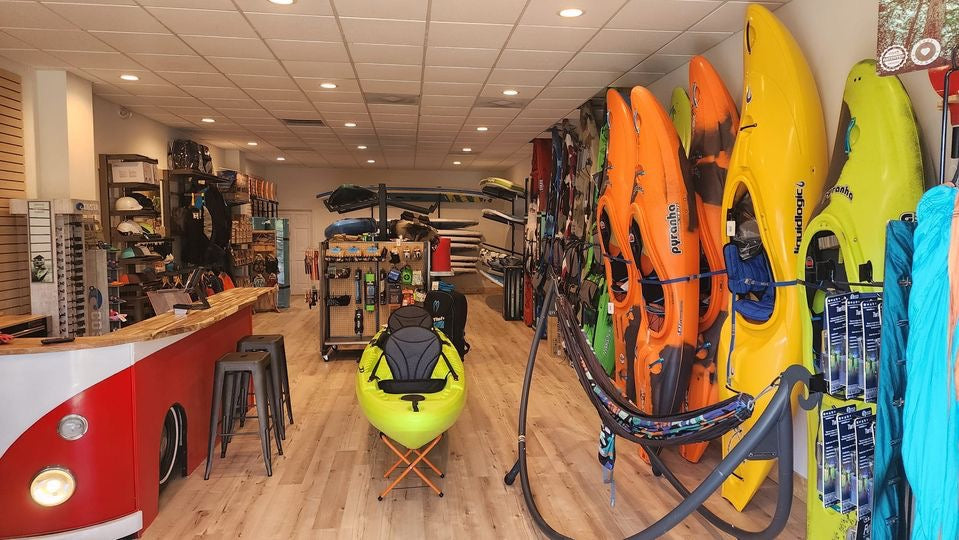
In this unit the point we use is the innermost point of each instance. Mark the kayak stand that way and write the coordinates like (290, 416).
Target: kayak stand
(411, 466)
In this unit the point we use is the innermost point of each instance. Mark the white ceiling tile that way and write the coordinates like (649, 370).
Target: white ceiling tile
(494, 114)
(694, 42)
(393, 9)
(488, 11)
(390, 87)
(383, 31)
(662, 63)
(730, 17)
(35, 58)
(204, 22)
(142, 42)
(230, 103)
(460, 57)
(196, 79)
(267, 93)
(286, 105)
(372, 53)
(9, 42)
(73, 40)
(455, 74)
(155, 90)
(524, 59)
(229, 46)
(546, 12)
(325, 107)
(303, 27)
(29, 14)
(304, 7)
(636, 78)
(247, 66)
(447, 101)
(393, 108)
(559, 38)
(311, 85)
(546, 103)
(429, 120)
(389, 72)
(545, 114)
(521, 77)
(570, 92)
(452, 89)
(585, 78)
(319, 51)
(629, 41)
(592, 61)
(101, 17)
(223, 5)
(662, 14)
(173, 62)
(105, 60)
(443, 110)
(332, 70)
(214, 92)
(525, 91)
(336, 97)
(261, 81)
(449, 34)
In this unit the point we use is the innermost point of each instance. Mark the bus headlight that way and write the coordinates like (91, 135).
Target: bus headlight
(52, 486)
(72, 427)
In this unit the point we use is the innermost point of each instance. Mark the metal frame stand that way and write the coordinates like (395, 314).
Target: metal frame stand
(411, 466)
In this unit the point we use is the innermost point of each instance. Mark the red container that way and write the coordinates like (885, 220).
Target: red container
(440, 261)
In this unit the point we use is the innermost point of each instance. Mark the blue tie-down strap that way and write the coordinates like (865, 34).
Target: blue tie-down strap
(607, 458)
(692, 277)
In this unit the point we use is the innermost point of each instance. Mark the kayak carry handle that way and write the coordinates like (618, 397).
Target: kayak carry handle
(415, 399)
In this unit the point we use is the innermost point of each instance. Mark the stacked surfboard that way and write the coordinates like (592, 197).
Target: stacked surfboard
(464, 242)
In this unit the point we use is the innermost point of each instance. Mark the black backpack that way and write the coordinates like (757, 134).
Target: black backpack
(451, 308)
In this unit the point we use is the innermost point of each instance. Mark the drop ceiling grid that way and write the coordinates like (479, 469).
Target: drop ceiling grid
(249, 63)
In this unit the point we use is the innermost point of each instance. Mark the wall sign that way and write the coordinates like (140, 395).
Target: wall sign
(916, 34)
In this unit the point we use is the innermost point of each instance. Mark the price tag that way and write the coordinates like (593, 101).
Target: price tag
(730, 228)
(609, 308)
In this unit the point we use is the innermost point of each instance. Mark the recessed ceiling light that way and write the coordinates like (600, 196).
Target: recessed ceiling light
(328, 85)
(510, 92)
(251, 143)
(350, 124)
(282, 2)
(128, 77)
(467, 149)
(457, 163)
(361, 147)
(281, 158)
(482, 128)
(207, 120)
(569, 12)
(371, 161)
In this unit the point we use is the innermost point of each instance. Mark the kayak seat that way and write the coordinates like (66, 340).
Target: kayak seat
(412, 354)
(409, 316)
(749, 281)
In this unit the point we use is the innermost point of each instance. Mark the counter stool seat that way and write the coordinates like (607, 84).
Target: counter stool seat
(273, 344)
(240, 365)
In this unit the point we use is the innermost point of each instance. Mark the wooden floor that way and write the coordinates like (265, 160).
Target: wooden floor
(325, 486)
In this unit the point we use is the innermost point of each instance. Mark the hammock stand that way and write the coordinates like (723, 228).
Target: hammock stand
(771, 437)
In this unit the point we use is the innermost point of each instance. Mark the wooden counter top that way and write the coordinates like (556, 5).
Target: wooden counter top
(222, 305)
(7, 321)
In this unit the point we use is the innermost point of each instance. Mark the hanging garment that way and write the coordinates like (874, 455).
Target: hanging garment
(541, 173)
(889, 490)
(930, 446)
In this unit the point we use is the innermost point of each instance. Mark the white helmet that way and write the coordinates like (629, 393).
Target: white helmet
(129, 227)
(127, 203)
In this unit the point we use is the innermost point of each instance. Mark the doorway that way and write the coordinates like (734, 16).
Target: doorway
(301, 239)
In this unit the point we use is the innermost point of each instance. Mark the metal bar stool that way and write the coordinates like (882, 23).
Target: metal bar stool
(273, 344)
(235, 366)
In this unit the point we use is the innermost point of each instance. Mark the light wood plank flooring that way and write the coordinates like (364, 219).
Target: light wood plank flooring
(325, 486)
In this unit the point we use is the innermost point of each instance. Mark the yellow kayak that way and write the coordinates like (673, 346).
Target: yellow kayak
(776, 176)
(407, 362)
(875, 176)
(681, 114)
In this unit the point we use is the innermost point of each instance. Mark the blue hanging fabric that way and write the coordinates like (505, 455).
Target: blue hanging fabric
(607, 458)
(930, 447)
(889, 491)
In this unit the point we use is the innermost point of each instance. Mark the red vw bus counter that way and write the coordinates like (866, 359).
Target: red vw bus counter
(83, 424)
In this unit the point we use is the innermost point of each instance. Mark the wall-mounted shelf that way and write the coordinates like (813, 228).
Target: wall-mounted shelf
(135, 186)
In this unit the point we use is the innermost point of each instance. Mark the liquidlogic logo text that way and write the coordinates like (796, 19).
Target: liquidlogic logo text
(672, 217)
(797, 218)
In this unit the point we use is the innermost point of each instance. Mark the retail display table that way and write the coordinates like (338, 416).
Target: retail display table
(123, 385)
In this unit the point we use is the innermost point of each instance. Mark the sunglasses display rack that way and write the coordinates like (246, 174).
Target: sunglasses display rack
(360, 283)
(68, 264)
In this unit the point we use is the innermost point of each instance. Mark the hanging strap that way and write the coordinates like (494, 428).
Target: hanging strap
(652, 281)
(376, 366)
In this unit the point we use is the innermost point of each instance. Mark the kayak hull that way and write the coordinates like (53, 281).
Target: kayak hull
(779, 159)
(394, 417)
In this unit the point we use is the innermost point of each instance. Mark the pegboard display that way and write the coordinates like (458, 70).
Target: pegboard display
(361, 283)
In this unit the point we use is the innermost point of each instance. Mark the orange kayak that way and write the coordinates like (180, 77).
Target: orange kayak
(664, 245)
(613, 217)
(715, 124)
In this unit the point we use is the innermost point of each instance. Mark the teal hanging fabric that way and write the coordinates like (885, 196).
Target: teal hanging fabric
(889, 491)
(930, 447)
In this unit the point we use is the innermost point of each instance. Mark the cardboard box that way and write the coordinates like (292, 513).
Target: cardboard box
(134, 172)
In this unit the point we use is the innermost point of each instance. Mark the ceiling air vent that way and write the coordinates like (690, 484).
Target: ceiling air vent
(295, 122)
(392, 99)
(500, 103)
